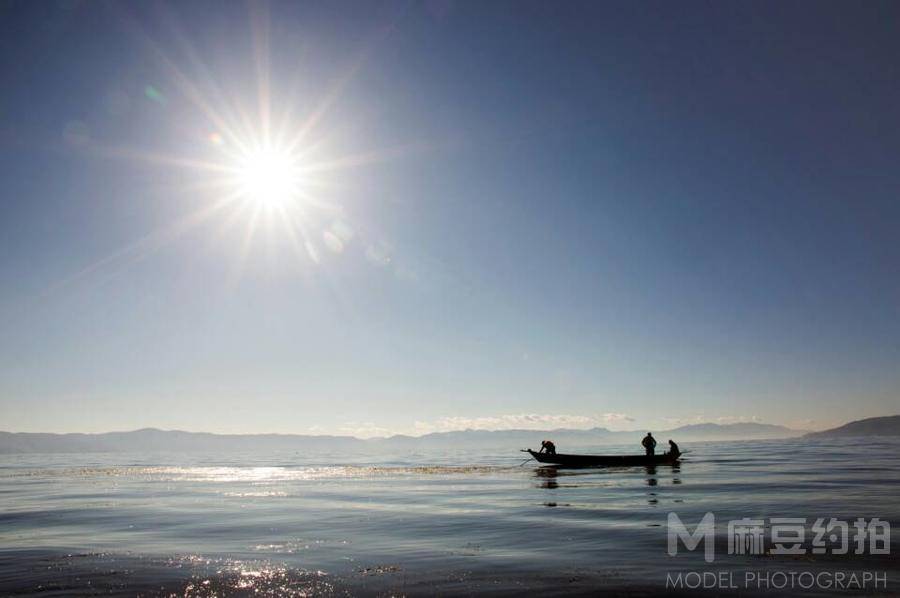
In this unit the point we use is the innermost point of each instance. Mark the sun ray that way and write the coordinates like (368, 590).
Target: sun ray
(365, 158)
(128, 153)
(338, 88)
(145, 246)
(244, 251)
(183, 82)
(260, 31)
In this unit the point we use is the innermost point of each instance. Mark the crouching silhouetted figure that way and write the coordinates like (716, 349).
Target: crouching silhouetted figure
(673, 449)
(548, 447)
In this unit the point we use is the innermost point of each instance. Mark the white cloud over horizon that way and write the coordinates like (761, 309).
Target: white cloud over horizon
(521, 421)
(702, 418)
(540, 421)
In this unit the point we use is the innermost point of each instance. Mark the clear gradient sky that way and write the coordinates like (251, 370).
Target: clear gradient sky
(630, 214)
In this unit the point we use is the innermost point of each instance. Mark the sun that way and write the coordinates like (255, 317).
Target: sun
(269, 178)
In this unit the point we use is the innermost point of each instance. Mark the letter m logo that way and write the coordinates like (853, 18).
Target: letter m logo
(705, 530)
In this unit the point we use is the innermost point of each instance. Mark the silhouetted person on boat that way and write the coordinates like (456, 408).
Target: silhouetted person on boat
(548, 447)
(649, 443)
(673, 449)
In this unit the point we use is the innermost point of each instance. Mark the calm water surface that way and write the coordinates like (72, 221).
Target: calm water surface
(288, 524)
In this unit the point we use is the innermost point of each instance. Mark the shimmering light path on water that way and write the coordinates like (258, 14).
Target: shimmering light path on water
(289, 524)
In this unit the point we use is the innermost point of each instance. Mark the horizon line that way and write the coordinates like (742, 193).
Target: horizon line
(395, 435)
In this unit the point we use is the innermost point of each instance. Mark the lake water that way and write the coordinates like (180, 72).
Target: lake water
(286, 524)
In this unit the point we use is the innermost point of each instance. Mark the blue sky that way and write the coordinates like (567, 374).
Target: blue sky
(513, 214)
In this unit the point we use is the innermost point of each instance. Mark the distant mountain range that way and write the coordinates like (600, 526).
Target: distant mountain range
(153, 440)
(873, 426)
(595, 436)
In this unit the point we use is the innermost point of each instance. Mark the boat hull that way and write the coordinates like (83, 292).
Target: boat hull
(564, 460)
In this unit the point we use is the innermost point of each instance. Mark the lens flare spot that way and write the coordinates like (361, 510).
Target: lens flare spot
(332, 241)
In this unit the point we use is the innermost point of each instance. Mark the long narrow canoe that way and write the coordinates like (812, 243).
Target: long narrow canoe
(565, 460)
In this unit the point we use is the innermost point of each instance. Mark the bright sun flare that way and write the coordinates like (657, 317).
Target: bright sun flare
(259, 169)
(269, 178)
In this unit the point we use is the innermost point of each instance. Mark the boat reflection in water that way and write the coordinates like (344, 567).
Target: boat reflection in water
(551, 477)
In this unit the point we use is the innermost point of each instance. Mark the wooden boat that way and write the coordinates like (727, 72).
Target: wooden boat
(564, 460)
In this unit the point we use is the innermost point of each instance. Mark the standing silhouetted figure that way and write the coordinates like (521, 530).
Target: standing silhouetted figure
(649, 443)
(548, 447)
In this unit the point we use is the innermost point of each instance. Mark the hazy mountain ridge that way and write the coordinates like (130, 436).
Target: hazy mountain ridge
(154, 440)
(872, 426)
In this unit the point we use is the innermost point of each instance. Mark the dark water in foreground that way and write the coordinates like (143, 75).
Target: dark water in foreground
(289, 525)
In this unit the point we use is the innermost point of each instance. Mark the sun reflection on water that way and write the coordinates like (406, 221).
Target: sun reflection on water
(262, 474)
(258, 578)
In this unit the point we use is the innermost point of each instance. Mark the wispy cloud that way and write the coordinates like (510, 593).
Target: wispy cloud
(702, 418)
(363, 430)
(521, 421)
